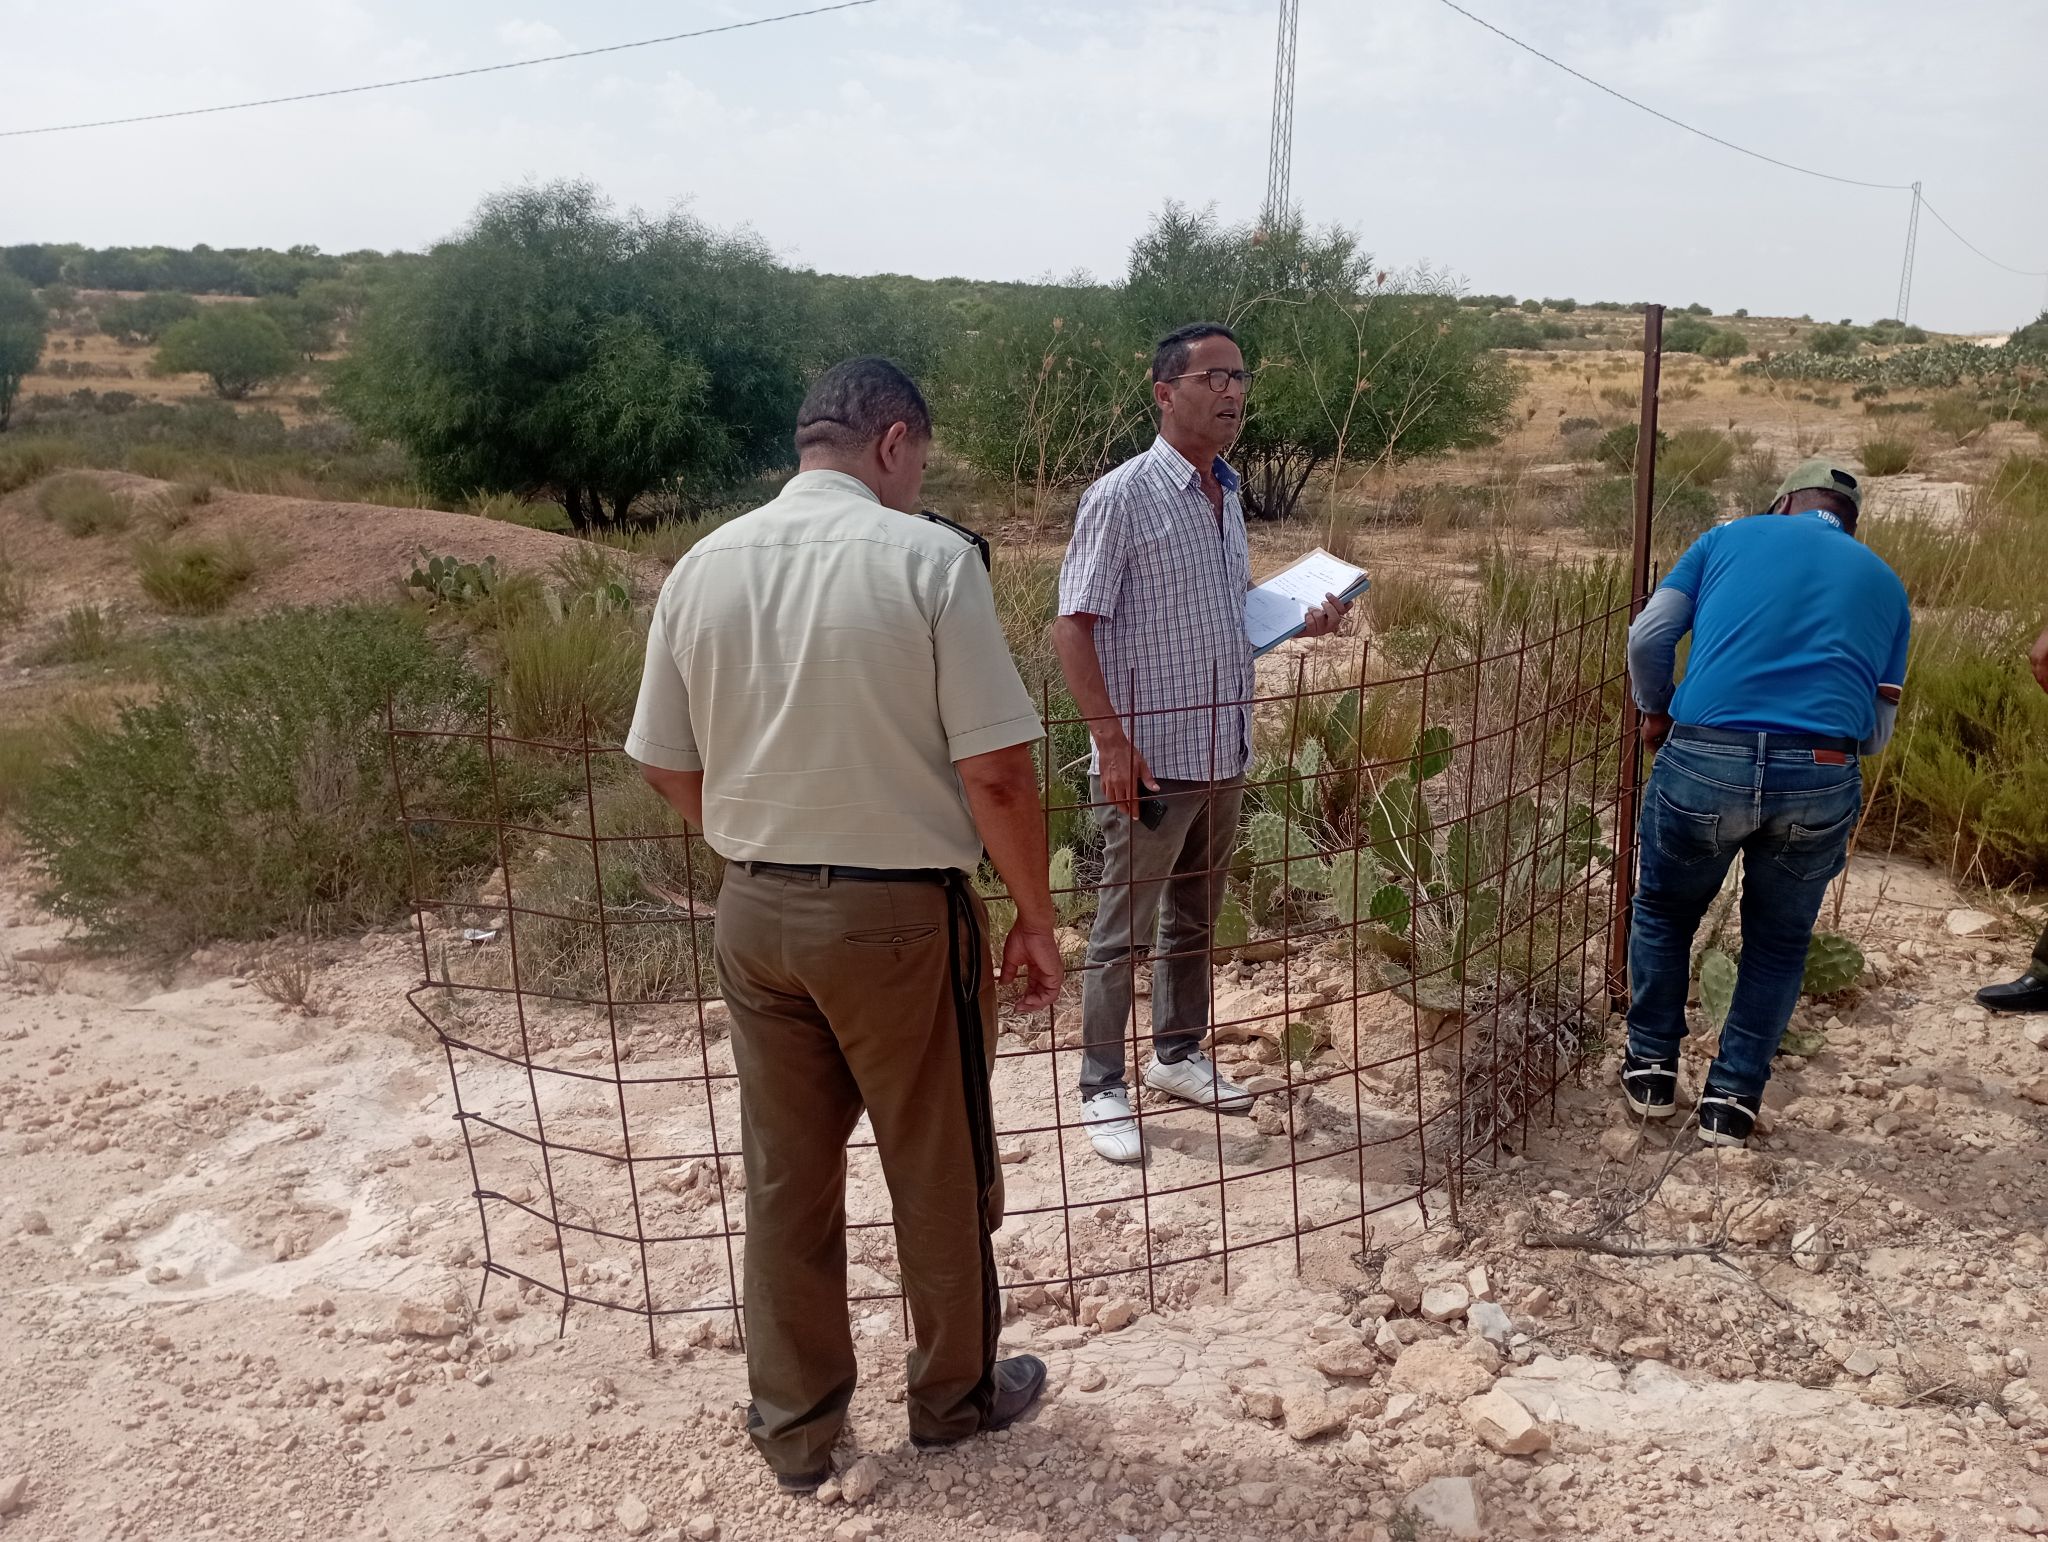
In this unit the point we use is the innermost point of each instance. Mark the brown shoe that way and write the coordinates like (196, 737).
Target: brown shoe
(1020, 1382)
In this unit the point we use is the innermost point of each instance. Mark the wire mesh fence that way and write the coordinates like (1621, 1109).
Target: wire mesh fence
(1409, 956)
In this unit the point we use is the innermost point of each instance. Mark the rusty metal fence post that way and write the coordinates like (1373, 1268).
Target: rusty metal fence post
(1629, 801)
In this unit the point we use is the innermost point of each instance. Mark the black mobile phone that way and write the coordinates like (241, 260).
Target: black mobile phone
(1152, 812)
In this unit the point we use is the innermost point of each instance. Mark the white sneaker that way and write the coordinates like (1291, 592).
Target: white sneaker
(1196, 1080)
(1111, 1129)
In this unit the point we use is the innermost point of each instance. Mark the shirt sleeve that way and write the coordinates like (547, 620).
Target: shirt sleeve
(1895, 667)
(1092, 574)
(1687, 571)
(661, 734)
(1653, 645)
(983, 705)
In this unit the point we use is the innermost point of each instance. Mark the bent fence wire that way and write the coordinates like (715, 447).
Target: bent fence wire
(1410, 957)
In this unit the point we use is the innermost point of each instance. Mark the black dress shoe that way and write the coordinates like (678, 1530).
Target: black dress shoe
(2028, 993)
(1020, 1381)
(802, 1482)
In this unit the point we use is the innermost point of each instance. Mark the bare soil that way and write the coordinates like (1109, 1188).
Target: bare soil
(242, 1271)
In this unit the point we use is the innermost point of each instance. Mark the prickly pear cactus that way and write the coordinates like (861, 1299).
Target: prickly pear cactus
(1717, 986)
(1833, 964)
(1349, 881)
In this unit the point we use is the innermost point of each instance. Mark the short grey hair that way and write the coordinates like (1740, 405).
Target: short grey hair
(854, 403)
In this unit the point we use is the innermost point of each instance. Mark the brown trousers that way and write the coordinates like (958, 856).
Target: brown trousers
(842, 997)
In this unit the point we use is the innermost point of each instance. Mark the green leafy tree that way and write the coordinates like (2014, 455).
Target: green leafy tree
(558, 347)
(307, 321)
(22, 327)
(1834, 342)
(1349, 368)
(2033, 335)
(237, 347)
(145, 318)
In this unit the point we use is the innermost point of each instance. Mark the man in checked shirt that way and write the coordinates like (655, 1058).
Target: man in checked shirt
(1151, 636)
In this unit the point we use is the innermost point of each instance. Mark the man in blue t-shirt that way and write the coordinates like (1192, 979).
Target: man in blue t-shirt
(1798, 661)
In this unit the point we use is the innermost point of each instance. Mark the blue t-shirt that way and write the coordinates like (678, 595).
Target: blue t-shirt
(1795, 626)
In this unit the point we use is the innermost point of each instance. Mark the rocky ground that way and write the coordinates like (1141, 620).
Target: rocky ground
(240, 1301)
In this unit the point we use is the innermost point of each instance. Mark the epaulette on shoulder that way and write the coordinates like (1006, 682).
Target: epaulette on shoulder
(973, 537)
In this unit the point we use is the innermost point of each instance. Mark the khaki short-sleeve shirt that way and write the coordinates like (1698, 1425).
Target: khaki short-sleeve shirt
(824, 661)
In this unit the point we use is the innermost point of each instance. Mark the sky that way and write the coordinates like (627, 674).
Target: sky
(1001, 141)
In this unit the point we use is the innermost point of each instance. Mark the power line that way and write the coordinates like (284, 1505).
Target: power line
(421, 80)
(1973, 246)
(1726, 144)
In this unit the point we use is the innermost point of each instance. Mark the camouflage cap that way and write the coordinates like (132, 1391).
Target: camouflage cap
(1825, 476)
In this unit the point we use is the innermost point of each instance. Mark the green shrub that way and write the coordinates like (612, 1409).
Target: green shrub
(1726, 343)
(194, 577)
(1888, 455)
(1959, 417)
(1686, 333)
(1622, 396)
(1617, 447)
(254, 795)
(235, 346)
(81, 507)
(86, 635)
(24, 325)
(555, 668)
(1757, 476)
(513, 509)
(145, 318)
(646, 886)
(27, 751)
(1696, 455)
(14, 592)
(24, 460)
(1833, 342)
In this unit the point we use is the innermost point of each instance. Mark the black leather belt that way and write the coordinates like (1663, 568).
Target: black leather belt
(1769, 741)
(828, 872)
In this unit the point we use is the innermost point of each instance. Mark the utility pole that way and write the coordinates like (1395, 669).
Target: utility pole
(1906, 268)
(1280, 153)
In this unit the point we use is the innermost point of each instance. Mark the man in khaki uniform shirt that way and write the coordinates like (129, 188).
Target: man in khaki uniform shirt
(828, 696)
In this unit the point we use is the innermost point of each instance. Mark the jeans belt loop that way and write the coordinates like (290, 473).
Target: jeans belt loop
(825, 875)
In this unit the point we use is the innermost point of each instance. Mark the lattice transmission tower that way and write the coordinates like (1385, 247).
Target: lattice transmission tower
(1906, 268)
(1280, 154)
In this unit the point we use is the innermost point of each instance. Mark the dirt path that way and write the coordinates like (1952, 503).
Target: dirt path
(239, 1266)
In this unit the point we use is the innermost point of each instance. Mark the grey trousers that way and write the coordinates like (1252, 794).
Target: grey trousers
(1161, 891)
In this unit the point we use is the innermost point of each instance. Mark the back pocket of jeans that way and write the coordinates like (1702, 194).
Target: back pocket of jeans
(891, 936)
(1810, 853)
(1683, 835)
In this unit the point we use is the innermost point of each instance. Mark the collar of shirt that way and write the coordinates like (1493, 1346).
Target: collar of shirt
(828, 481)
(1823, 516)
(1183, 472)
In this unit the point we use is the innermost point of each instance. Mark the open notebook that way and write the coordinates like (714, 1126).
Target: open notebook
(1278, 608)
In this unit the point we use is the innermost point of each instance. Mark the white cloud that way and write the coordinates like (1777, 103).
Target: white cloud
(532, 39)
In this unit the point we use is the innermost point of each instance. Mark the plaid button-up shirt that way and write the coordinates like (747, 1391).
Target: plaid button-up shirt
(1167, 582)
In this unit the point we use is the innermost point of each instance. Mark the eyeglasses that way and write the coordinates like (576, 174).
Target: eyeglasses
(1219, 379)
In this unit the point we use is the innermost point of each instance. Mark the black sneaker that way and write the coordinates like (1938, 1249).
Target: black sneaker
(1651, 1086)
(1726, 1118)
(1019, 1382)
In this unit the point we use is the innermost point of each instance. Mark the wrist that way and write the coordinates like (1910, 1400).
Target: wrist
(1109, 734)
(1034, 921)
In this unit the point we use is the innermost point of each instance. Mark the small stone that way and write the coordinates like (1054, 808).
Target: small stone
(1258, 1495)
(1440, 1369)
(35, 1224)
(1309, 1417)
(426, 1320)
(1120, 1313)
(1451, 1504)
(1346, 1359)
(1479, 1283)
(1090, 1379)
(1387, 1341)
(1617, 1143)
(859, 1529)
(1261, 1403)
(860, 1480)
(1066, 1336)
(702, 1528)
(2034, 1031)
(1445, 1303)
(1971, 923)
(2026, 1518)
(828, 1492)
(1398, 1279)
(2035, 1089)
(633, 1517)
(1887, 1389)
(13, 1492)
(1504, 1424)
(1649, 1346)
(1537, 1303)
(1862, 1363)
(1810, 1249)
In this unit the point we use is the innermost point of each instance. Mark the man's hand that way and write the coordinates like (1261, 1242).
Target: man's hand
(2037, 656)
(1123, 773)
(1327, 617)
(1656, 728)
(1032, 953)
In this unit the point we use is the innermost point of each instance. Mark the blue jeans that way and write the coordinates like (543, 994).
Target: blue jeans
(1791, 818)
